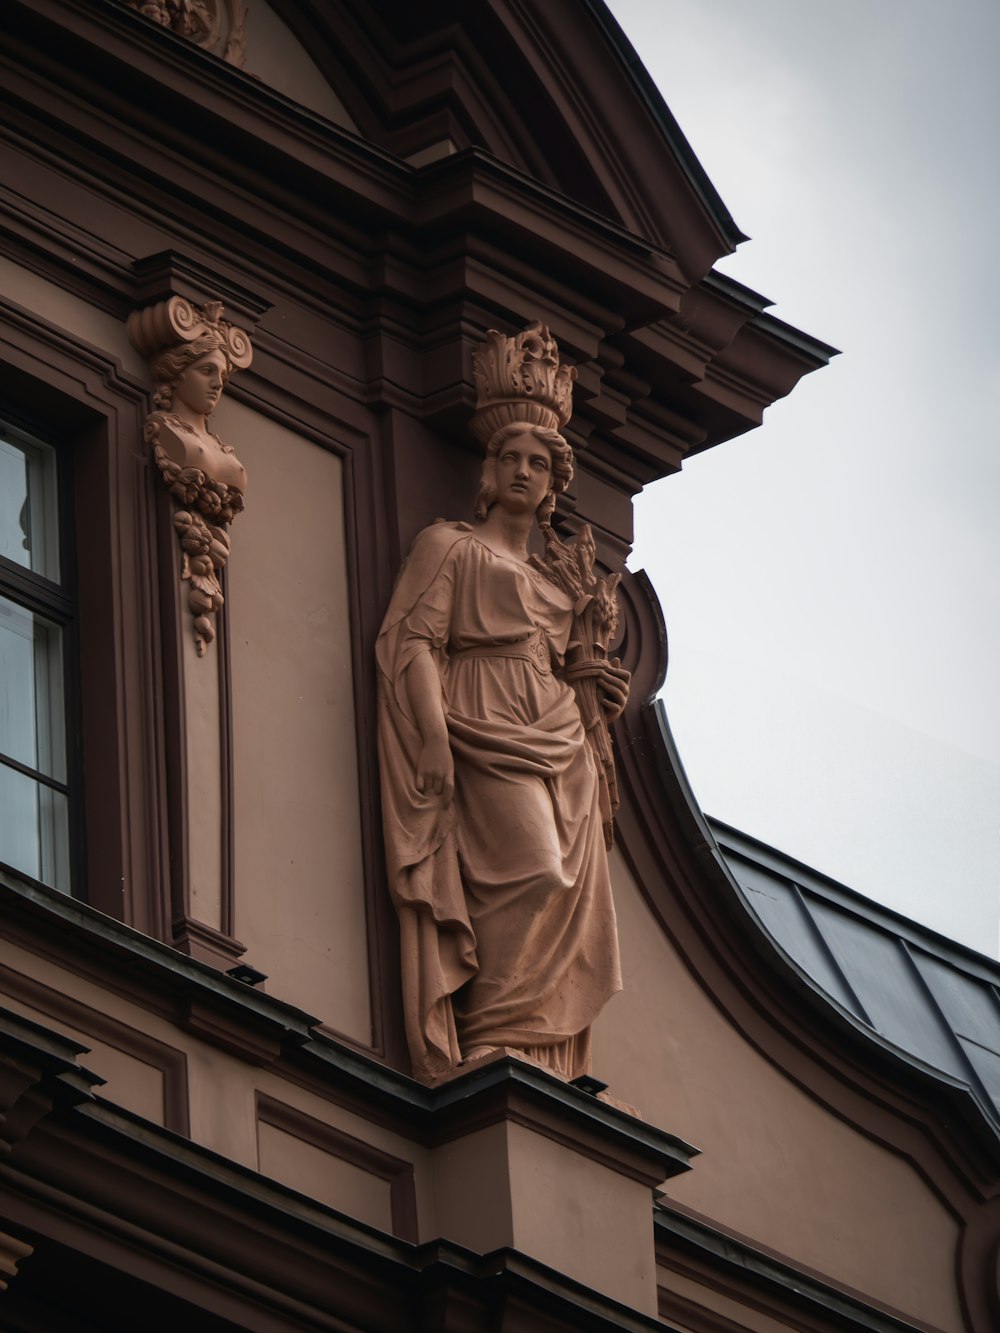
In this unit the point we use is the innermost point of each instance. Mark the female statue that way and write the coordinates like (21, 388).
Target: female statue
(189, 383)
(192, 354)
(492, 800)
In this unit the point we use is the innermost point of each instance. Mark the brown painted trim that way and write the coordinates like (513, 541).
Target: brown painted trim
(171, 1062)
(183, 1228)
(227, 831)
(509, 1091)
(359, 475)
(206, 944)
(396, 1171)
(763, 1279)
(174, 706)
(978, 1267)
(84, 398)
(259, 1029)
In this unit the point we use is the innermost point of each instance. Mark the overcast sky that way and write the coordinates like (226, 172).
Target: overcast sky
(830, 581)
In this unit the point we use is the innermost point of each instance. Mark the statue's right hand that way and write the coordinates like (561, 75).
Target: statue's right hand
(436, 770)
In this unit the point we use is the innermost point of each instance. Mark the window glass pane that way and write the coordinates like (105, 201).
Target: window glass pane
(34, 829)
(32, 725)
(29, 509)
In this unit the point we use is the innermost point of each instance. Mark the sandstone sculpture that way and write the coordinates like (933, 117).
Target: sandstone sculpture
(192, 353)
(497, 780)
(218, 26)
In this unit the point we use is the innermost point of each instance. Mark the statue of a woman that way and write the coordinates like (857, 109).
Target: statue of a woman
(189, 383)
(192, 354)
(492, 799)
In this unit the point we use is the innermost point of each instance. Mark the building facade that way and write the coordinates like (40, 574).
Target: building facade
(206, 1109)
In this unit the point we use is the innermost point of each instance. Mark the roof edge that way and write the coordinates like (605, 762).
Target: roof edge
(853, 900)
(672, 132)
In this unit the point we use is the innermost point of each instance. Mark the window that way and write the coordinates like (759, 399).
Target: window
(36, 620)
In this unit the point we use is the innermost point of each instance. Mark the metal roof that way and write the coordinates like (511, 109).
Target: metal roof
(935, 1001)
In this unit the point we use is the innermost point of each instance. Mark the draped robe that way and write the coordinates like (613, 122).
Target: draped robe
(507, 923)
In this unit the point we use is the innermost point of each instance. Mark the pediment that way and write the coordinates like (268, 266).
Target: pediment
(553, 90)
(276, 56)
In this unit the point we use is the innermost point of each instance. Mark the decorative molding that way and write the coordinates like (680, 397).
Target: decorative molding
(169, 273)
(203, 942)
(61, 1008)
(192, 351)
(82, 395)
(38, 1072)
(227, 1245)
(12, 1251)
(395, 1171)
(218, 26)
(750, 1274)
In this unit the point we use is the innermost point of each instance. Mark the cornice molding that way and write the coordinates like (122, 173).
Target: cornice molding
(740, 1269)
(148, 119)
(95, 1173)
(264, 1030)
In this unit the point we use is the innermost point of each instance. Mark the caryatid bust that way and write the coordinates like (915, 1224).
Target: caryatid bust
(497, 781)
(192, 353)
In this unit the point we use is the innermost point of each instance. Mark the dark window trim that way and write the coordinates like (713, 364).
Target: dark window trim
(56, 602)
(58, 386)
(36, 775)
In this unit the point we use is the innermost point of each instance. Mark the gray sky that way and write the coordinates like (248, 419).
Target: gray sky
(830, 581)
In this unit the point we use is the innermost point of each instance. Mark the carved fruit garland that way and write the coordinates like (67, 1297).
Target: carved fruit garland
(205, 506)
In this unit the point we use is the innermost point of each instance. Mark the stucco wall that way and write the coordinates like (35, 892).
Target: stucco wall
(299, 904)
(776, 1164)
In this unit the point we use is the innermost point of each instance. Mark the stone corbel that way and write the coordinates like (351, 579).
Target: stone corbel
(192, 351)
(219, 26)
(39, 1073)
(12, 1251)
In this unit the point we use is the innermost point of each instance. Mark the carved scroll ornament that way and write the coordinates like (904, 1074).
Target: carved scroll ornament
(218, 26)
(192, 352)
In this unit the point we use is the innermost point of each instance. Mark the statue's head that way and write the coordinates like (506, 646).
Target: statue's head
(170, 368)
(522, 389)
(559, 452)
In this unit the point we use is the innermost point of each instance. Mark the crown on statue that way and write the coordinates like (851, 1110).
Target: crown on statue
(520, 379)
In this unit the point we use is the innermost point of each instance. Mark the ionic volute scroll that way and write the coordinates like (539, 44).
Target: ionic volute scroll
(192, 353)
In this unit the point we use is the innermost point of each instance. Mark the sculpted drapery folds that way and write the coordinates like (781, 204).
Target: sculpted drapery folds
(192, 353)
(497, 781)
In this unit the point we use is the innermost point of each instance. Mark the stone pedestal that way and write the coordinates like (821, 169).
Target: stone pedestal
(526, 1162)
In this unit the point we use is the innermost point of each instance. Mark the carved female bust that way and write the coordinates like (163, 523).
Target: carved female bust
(192, 354)
(190, 380)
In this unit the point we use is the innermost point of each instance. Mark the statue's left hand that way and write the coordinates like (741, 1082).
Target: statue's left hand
(613, 683)
(611, 679)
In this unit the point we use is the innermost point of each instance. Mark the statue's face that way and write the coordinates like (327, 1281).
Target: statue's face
(200, 385)
(523, 473)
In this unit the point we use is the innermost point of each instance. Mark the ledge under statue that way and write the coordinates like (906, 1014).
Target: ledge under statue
(498, 788)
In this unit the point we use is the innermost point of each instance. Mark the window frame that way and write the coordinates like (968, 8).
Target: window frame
(62, 389)
(55, 602)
